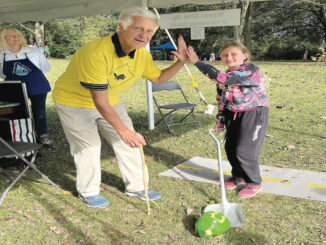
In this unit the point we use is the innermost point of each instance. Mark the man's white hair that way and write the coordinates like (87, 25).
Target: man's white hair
(126, 15)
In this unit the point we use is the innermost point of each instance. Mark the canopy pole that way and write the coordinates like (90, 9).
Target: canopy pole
(149, 92)
(150, 104)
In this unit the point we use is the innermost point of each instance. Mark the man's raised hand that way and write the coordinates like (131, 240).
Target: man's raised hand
(181, 52)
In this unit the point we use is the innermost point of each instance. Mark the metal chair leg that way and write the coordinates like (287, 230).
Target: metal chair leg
(12, 184)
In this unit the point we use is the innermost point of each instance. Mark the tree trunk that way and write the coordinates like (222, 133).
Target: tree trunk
(305, 54)
(243, 18)
(236, 28)
(39, 33)
(323, 10)
(247, 28)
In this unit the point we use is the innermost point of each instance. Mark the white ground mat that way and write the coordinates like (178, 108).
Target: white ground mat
(280, 181)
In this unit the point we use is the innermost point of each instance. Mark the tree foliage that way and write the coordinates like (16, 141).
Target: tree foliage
(287, 29)
(64, 37)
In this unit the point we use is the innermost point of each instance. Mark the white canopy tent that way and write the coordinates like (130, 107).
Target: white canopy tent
(19, 11)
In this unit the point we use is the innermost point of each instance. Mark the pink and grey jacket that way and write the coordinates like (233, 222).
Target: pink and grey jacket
(245, 88)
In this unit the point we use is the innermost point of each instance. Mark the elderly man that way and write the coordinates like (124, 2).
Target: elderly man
(86, 96)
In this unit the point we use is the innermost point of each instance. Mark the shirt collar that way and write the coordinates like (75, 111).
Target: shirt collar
(22, 50)
(118, 49)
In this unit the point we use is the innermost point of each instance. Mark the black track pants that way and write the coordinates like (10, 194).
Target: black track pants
(244, 139)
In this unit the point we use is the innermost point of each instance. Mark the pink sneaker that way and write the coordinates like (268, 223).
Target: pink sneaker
(250, 190)
(233, 182)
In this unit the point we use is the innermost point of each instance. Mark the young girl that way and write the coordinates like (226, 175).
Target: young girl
(243, 110)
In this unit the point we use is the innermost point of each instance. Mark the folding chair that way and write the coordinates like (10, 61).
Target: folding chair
(170, 108)
(12, 149)
(13, 94)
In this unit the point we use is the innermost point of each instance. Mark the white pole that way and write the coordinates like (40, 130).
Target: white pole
(150, 104)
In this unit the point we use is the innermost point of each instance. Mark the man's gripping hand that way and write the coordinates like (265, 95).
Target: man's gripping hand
(132, 138)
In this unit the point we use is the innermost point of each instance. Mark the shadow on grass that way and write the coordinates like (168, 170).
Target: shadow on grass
(237, 237)
(189, 223)
(292, 131)
(115, 236)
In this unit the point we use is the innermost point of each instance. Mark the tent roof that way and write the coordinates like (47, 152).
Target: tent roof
(165, 46)
(19, 11)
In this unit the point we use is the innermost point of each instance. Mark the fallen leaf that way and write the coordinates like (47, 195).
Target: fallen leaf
(63, 243)
(56, 230)
(189, 211)
(172, 237)
(148, 159)
(290, 147)
(53, 229)
(114, 160)
(43, 195)
(27, 216)
(90, 236)
(142, 224)
(9, 217)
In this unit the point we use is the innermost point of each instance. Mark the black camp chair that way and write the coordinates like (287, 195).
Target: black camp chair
(16, 149)
(14, 106)
(182, 104)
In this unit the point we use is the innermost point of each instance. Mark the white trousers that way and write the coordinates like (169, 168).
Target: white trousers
(81, 127)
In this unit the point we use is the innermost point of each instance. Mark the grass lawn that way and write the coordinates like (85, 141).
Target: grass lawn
(37, 213)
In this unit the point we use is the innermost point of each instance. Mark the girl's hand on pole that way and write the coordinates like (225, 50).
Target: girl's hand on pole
(192, 56)
(219, 127)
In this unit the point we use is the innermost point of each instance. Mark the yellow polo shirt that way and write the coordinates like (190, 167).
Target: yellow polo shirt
(102, 65)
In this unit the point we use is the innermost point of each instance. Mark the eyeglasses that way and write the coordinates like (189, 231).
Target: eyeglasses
(13, 36)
